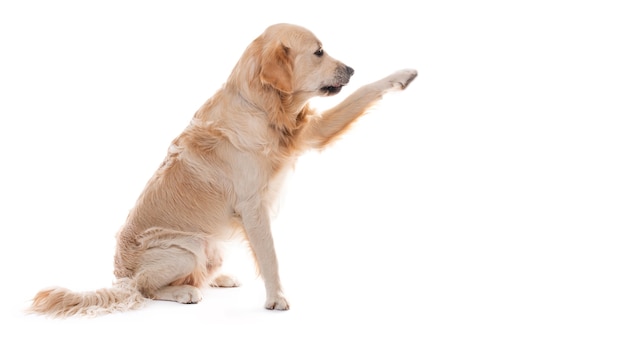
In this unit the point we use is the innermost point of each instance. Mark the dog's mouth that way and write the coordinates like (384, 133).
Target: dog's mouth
(342, 77)
(331, 89)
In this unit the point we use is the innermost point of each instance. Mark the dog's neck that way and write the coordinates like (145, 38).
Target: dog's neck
(281, 110)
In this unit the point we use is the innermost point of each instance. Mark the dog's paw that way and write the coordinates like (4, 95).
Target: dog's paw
(277, 303)
(399, 80)
(225, 281)
(188, 295)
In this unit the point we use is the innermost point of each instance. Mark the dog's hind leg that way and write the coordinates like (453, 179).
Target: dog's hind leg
(173, 270)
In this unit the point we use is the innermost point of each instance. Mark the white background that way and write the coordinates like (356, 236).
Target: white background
(481, 209)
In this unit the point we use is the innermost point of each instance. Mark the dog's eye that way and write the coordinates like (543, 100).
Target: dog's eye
(319, 52)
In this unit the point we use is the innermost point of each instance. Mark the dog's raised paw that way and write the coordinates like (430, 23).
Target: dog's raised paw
(397, 81)
(401, 79)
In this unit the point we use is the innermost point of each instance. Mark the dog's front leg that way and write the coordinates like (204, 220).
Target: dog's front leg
(337, 119)
(256, 223)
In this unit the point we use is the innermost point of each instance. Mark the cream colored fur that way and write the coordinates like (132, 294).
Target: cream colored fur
(222, 174)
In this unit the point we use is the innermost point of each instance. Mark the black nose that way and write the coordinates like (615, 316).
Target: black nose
(350, 71)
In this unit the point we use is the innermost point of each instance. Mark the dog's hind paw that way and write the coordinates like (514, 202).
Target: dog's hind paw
(186, 294)
(191, 296)
(225, 281)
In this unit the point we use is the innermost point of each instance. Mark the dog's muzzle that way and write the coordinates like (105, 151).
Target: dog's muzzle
(342, 77)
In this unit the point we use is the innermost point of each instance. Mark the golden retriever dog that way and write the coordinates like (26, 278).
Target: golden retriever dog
(221, 176)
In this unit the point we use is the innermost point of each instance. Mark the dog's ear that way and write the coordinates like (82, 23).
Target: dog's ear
(277, 68)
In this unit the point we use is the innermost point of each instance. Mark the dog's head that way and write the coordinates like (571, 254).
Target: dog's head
(291, 60)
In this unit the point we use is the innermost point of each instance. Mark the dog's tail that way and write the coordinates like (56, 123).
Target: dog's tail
(61, 302)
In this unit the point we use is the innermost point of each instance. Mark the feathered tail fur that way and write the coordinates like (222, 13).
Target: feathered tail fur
(61, 302)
